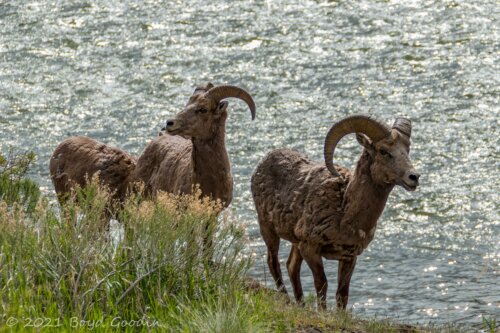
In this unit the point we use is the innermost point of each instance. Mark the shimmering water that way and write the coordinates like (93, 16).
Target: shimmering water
(115, 71)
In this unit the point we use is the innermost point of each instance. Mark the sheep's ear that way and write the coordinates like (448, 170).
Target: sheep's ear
(202, 88)
(221, 108)
(366, 142)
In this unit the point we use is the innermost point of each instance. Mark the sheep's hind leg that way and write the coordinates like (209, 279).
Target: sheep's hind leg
(345, 270)
(312, 256)
(293, 265)
(273, 244)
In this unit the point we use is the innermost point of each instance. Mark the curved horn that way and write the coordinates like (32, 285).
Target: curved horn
(403, 125)
(354, 124)
(225, 91)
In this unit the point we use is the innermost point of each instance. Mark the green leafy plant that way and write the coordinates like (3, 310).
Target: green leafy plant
(14, 187)
(490, 324)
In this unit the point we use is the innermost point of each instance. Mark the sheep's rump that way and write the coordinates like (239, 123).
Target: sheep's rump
(77, 159)
(293, 194)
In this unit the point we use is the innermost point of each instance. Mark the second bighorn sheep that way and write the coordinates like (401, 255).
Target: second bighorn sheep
(77, 159)
(195, 151)
(326, 211)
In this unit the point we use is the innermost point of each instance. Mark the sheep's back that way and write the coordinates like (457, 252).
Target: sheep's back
(77, 159)
(165, 165)
(295, 194)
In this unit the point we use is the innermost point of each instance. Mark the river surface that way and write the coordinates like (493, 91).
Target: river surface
(116, 70)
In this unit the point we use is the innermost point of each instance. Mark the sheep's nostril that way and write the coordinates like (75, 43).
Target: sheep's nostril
(414, 177)
(170, 123)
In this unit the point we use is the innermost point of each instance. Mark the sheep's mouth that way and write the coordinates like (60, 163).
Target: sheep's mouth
(173, 131)
(408, 187)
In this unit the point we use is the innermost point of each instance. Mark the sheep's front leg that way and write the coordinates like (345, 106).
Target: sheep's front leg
(312, 256)
(293, 265)
(346, 268)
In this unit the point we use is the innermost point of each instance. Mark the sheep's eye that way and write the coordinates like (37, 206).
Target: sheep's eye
(384, 152)
(202, 110)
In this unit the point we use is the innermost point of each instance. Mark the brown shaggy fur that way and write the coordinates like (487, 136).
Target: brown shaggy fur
(325, 216)
(193, 153)
(78, 159)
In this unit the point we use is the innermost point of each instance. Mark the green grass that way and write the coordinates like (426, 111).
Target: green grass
(14, 187)
(64, 271)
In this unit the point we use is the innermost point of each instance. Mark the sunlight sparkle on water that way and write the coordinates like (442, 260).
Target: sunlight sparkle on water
(116, 72)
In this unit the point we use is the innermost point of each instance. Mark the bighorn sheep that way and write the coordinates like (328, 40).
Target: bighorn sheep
(169, 163)
(195, 151)
(77, 159)
(325, 210)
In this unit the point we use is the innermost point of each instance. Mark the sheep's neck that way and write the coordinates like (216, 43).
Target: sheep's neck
(211, 168)
(364, 203)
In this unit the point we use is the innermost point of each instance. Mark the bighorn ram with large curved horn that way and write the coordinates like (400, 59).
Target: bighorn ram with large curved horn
(194, 153)
(326, 210)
